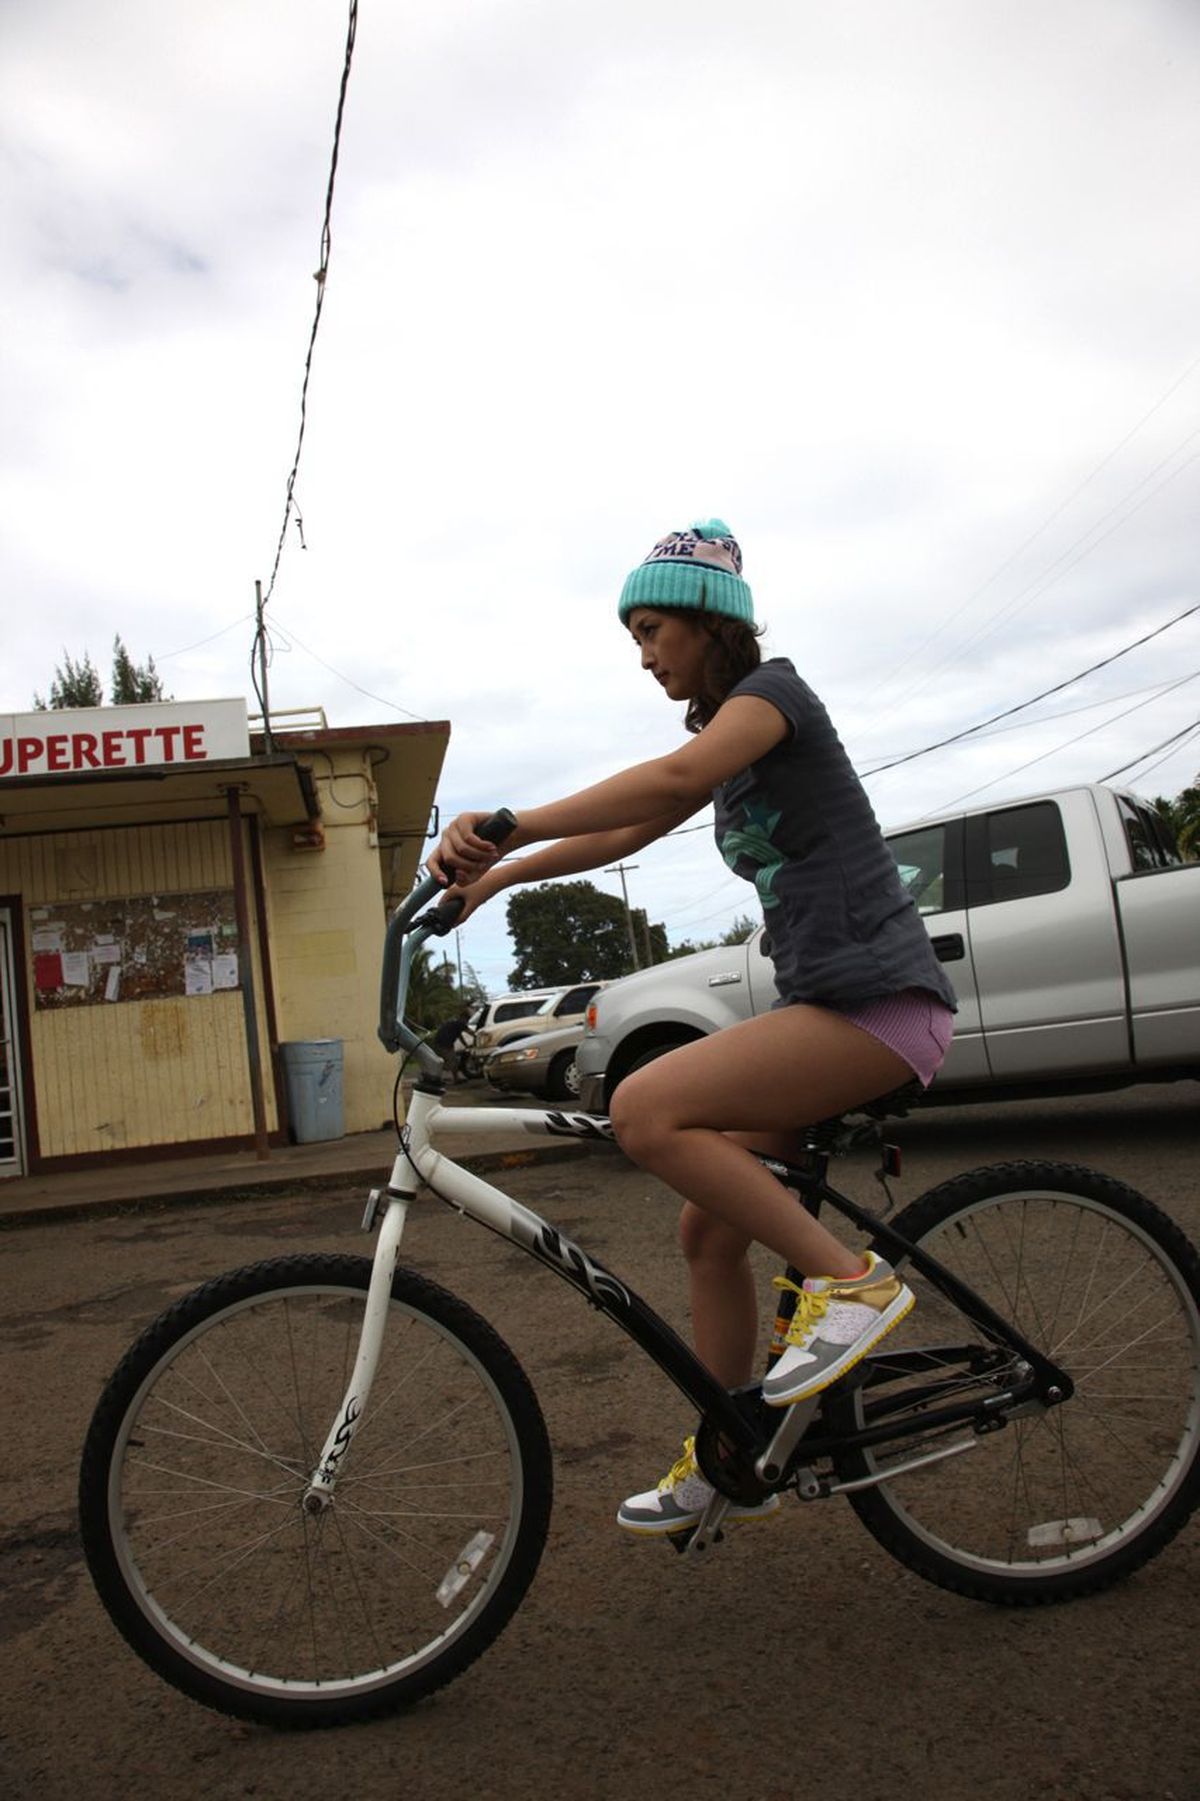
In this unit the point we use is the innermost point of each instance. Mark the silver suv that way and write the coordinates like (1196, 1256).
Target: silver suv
(524, 1015)
(643, 1015)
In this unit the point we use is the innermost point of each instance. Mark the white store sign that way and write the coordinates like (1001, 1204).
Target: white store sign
(74, 741)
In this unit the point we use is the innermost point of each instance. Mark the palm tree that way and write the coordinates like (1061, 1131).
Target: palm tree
(432, 995)
(1183, 816)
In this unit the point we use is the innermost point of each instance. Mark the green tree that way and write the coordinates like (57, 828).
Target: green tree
(472, 993)
(687, 947)
(133, 683)
(567, 932)
(79, 685)
(74, 685)
(1183, 816)
(739, 931)
(432, 994)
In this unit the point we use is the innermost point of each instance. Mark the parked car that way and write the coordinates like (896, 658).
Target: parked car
(541, 1065)
(524, 1015)
(1068, 924)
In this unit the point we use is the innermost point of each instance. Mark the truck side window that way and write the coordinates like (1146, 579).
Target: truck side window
(1148, 837)
(921, 859)
(1026, 853)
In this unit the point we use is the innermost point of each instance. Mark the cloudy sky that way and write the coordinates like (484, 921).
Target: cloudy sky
(906, 290)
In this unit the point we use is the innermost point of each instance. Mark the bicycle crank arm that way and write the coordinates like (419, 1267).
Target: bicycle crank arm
(708, 1532)
(796, 1421)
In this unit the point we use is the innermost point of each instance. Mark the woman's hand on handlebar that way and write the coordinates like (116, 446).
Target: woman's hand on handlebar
(466, 900)
(462, 856)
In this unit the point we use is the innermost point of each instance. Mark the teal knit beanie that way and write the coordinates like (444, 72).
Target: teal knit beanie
(700, 568)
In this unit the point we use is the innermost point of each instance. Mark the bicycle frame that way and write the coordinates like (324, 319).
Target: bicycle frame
(735, 1416)
(418, 1161)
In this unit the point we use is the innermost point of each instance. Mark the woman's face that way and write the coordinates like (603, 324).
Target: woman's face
(673, 645)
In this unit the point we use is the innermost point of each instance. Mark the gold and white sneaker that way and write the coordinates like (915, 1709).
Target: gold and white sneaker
(680, 1499)
(834, 1325)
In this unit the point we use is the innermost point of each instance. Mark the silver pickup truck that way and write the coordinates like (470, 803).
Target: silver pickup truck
(1067, 923)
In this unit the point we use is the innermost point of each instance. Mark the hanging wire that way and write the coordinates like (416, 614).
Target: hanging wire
(1176, 741)
(1067, 743)
(1062, 506)
(166, 655)
(290, 507)
(284, 632)
(972, 730)
(1087, 706)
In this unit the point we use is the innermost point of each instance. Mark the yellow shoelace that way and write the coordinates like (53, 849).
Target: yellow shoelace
(809, 1309)
(679, 1472)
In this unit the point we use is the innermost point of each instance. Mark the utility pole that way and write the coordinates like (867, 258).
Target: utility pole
(620, 869)
(646, 940)
(260, 651)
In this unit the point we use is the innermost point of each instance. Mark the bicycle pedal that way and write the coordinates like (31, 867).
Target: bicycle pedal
(707, 1533)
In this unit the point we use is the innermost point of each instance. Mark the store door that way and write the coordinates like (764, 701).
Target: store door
(12, 1138)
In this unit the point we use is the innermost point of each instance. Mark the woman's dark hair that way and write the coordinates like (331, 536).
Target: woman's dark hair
(731, 653)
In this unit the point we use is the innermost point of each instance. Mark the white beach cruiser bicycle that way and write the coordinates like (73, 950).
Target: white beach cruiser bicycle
(318, 1487)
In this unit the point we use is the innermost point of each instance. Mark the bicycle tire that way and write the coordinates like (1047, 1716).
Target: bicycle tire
(216, 1576)
(1068, 1501)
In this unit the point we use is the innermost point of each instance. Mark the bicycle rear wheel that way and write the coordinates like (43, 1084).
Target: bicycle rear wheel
(204, 1442)
(1062, 1502)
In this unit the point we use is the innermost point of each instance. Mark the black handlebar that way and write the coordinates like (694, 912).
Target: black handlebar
(437, 922)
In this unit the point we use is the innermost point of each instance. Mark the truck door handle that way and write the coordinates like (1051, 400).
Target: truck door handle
(949, 948)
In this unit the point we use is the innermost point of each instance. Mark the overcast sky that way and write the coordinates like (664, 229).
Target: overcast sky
(905, 290)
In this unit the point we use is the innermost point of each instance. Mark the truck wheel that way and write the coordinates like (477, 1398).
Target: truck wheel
(651, 1054)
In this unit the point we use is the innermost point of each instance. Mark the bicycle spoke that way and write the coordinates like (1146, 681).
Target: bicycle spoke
(1079, 1486)
(386, 1582)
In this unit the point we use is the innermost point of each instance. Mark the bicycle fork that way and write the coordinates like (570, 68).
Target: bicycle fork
(319, 1493)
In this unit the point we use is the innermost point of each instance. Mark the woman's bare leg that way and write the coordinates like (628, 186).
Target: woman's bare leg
(688, 1117)
(723, 1295)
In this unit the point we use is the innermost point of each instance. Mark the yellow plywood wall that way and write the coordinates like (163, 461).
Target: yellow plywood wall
(133, 1073)
(326, 917)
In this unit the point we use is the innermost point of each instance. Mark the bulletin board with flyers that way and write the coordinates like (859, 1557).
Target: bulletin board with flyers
(94, 953)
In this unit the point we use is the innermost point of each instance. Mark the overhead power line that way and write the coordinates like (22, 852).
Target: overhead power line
(281, 627)
(322, 272)
(1033, 536)
(1177, 739)
(1087, 706)
(166, 655)
(1066, 745)
(1008, 712)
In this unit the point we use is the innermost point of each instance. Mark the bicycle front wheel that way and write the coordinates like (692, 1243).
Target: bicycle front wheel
(202, 1447)
(1065, 1501)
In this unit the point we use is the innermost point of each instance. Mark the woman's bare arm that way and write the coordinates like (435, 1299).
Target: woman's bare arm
(673, 786)
(570, 856)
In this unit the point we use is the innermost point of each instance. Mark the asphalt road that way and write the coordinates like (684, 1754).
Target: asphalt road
(801, 1662)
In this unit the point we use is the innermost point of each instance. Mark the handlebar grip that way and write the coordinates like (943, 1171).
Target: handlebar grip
(444, 917)
(495, 829)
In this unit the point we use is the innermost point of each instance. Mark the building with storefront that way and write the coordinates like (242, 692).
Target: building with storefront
(179, 898)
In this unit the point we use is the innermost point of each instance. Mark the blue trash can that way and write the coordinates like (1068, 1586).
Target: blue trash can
(312, 1080)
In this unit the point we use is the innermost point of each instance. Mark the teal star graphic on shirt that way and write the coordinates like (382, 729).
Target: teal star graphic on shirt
(753, 842)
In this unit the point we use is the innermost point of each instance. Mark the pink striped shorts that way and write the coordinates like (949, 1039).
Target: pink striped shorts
(914, 1024)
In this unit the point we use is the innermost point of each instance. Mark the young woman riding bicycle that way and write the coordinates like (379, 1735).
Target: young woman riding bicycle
(864, 1005)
